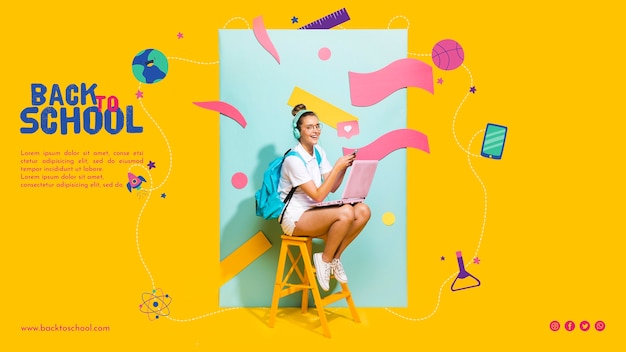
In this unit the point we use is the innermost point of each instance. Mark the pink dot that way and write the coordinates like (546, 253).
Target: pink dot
(324, 54)
(239, 180)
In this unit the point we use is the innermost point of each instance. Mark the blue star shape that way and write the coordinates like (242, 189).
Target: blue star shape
(294, 19)
(163, 195)
(151, 165)
(473, 89)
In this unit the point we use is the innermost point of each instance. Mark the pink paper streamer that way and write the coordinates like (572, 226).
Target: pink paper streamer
(258, 27)
(387, 143)
(370, 88)
(224, 109)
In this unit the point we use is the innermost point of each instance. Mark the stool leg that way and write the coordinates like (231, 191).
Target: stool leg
(353, 311)
(317, 298)
(278, 285)
(306, 255)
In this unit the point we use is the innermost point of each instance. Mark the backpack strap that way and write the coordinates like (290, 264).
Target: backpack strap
(287, 200)
(293, 189)
(290, 152)
(318, 156)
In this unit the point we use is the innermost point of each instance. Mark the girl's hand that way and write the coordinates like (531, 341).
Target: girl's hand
(345, 161)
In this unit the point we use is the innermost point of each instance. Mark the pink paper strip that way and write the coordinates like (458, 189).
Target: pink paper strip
(224, 109)
(370, 88)
(258, 27)
(387, 143)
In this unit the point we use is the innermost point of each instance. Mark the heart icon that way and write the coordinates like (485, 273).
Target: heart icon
(347, 128)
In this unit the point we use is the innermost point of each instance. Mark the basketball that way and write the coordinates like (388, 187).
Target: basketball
(448, 54)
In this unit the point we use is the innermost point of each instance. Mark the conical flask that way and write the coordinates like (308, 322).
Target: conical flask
(463, 280)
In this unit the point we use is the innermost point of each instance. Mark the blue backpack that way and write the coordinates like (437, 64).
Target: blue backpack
(268, 203)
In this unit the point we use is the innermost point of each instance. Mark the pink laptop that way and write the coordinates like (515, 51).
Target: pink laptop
(357, 185)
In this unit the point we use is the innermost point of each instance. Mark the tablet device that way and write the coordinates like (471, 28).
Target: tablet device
(493, 141)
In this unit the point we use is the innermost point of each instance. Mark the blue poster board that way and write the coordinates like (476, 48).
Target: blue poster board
(259, 87)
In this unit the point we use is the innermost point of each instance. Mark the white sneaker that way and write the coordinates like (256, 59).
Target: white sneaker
(338, 271)
(322, 269)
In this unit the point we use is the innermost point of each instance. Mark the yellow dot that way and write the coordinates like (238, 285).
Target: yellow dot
(389, 218)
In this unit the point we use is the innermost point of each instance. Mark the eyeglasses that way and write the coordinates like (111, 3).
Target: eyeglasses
(310, 128)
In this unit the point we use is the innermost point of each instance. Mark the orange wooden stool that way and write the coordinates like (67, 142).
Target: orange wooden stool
(307, 281)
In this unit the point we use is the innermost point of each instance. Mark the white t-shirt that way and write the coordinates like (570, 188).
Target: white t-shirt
(295, 173)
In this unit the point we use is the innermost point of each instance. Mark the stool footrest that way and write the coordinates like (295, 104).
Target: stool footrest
(335, 297)
(292, 289)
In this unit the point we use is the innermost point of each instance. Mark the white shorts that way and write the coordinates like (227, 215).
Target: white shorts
(290, 217)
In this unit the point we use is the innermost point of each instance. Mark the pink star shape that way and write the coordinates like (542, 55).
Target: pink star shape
(139, 94)
(440, 80)
(179, 35)
(476, 260)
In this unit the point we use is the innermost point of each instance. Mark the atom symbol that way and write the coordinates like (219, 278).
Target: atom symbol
(155, 304)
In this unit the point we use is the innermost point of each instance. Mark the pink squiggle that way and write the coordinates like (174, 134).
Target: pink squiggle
(387, 143)
(258, 27)
(224, 109)
(370, 88)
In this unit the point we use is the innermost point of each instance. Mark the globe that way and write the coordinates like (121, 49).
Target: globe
(150, 66)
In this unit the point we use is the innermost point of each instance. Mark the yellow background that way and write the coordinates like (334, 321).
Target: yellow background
(551, 244)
